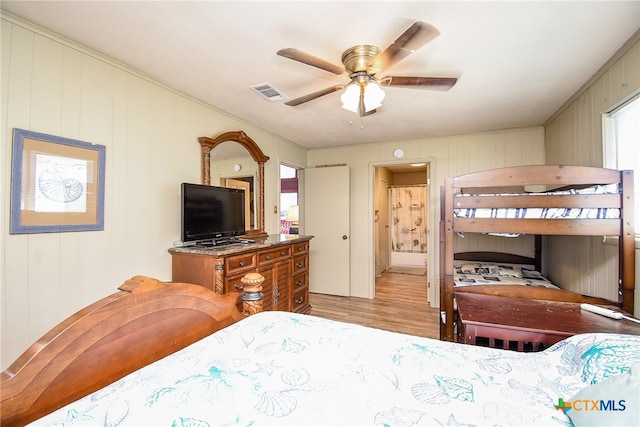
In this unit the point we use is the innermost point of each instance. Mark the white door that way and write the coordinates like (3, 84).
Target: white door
(326, 217)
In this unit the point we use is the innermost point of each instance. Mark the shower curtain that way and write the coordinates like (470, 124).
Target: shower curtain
(409, 221)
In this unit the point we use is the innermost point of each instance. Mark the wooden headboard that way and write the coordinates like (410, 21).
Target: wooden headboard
(144, 321)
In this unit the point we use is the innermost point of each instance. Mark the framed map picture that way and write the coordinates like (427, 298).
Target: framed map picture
(57, 184)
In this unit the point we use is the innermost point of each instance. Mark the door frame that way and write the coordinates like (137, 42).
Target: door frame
(432, 222)
(300, 172)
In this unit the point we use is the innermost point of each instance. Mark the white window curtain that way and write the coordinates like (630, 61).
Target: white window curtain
(408, 213)
(622, 144)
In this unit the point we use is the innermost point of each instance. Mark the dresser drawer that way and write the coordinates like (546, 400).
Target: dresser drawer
(271, 255)
(238, 263)
(300, 301)
(300, 281)
(300, 248)
(300, 263)
(233, 283)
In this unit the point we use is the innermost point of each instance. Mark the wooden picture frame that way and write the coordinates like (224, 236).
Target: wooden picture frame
(57, 184)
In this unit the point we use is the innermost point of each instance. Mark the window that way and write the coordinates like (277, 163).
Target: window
(622, 144)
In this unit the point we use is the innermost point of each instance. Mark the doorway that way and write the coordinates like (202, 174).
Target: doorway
(401, 219)
(244, 183)
(408, 205)
(289, 199)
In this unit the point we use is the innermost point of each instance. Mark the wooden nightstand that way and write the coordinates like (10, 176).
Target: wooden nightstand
(528, 325)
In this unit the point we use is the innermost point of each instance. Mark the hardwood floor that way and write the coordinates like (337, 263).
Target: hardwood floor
(400, 305)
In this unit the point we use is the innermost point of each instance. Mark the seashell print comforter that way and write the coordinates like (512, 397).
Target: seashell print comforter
(280, 368)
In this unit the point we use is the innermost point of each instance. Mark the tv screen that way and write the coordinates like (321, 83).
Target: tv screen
(210, 212)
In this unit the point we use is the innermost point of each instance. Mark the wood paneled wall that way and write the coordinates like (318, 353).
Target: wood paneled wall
(574, 136)
(150, 131)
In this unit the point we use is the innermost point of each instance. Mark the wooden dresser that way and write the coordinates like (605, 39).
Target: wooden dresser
(283, 260)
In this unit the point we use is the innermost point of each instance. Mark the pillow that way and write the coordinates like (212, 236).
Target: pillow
(497, 270)
(480, 269)
(532, 274)
(617, 400)
(509, 271)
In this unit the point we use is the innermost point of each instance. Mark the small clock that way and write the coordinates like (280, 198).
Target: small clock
(398, 153)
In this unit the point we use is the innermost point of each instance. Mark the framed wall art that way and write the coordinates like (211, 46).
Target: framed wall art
(57, 184)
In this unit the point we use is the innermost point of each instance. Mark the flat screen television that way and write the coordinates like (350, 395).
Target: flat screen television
(211, 213)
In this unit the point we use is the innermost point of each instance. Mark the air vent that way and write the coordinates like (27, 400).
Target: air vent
(268, 92)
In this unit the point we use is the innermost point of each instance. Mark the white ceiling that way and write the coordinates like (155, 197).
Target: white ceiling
(517, 62)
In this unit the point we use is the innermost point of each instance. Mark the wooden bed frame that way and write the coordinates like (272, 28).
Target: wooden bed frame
(495, 181)
(144, 321)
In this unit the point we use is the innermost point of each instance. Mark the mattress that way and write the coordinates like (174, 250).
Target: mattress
(543, 213)
(477, 273)
(279, 368)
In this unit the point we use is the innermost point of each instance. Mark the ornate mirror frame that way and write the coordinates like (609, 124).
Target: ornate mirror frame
(207, 144)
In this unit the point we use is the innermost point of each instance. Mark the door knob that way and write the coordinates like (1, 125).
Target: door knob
(344, 237)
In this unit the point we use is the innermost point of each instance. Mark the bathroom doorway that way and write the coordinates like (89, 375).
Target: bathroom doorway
(401, 223)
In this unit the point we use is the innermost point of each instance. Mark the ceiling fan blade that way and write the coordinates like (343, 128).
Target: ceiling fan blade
(305, 58)
(433, 83)
(416, 36)
(314, 95)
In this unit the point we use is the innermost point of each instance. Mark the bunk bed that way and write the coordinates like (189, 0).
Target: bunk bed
(179, 354)
(568, 200)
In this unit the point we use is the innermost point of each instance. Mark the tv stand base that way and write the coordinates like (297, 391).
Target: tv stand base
(211, 243)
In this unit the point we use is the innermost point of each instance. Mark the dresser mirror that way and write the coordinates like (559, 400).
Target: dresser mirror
(229, 142)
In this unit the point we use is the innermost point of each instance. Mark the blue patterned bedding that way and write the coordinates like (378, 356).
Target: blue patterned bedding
(279, 368)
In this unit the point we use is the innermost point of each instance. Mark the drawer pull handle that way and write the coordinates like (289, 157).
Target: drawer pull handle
(238, 287)
(268, 257)
(241, 263)
(300, 300)
(299, 265)
(299, 283)
(283, 253)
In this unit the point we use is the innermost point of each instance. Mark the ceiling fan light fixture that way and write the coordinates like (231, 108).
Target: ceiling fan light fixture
(351, 97)
(373, 96)
(362, 96)
(364, 63)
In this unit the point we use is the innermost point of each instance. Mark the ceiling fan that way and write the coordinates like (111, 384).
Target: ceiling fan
(363, 63)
